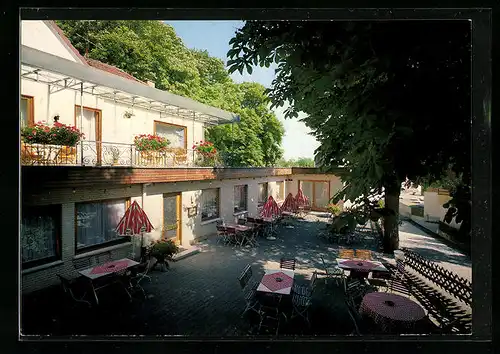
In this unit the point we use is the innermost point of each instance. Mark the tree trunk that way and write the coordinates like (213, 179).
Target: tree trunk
(391, 227)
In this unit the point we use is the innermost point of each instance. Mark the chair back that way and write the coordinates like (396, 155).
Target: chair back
(245, 276)
(346, 253)
(287, 263)
(82, 263)
(230, 230)
(400, 266)
(312, 284)
(364, 254)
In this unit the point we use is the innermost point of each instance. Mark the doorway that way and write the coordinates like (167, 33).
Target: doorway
(171, 229)
(90, 124)
(318, 193)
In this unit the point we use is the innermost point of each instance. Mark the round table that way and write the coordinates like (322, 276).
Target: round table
(391, 311)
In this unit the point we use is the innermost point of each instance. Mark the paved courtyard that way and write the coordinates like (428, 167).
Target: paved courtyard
(200, 295)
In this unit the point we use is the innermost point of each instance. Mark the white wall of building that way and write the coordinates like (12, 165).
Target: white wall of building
(37, 35)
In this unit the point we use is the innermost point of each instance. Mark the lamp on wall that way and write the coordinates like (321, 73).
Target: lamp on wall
(56, 118)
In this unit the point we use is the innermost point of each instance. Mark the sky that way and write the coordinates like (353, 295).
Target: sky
(214, 36)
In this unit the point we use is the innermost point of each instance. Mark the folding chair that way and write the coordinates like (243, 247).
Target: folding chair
(346, 253)
(364, 254)
(248, 291)
(74, 289)
(137, 275)
(306, 290)
(222, 234)
(300, 307)
(287, 263)
(334, 272)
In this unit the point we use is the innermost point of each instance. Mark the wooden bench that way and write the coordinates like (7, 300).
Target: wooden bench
(443, 306)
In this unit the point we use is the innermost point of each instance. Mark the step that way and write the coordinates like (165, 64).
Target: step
(186, 253)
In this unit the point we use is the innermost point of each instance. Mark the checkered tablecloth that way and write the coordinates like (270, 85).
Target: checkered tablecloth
(391, 311)
(110, 267)
(270, 281)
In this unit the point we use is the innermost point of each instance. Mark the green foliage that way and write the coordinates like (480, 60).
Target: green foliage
(300, 162)
(334, 209)
(164, 249)
(384, 99)
(150, 50)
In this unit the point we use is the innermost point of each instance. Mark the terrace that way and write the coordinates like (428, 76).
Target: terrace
(201, 295)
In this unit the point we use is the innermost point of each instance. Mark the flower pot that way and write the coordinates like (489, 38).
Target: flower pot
(66, 155)
(151, 157)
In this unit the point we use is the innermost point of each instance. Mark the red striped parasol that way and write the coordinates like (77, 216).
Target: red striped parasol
(301, 199)
(270, 209)
(134, 222)
(289, 204)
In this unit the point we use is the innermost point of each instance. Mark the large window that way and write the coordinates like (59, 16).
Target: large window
(209, 204)
(176, 134)
(40, 235)
(240, 198)
(262, 193)
(96, 223)
(26, 111)
(280, 190)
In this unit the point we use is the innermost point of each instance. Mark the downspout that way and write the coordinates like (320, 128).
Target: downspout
(192, 136)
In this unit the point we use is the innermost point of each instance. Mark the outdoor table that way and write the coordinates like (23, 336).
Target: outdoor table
(277, 281)
(359, 267)
(243, 229)
(106, 269)
(391, 311)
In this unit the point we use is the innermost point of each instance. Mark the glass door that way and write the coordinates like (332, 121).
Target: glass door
(171, 229)
(89, 124)
(321, 195)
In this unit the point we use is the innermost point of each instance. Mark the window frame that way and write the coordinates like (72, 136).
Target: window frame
(172, 125)
(259, 202)
(245, 191)
(56, 213)
(119, 240)
(218, 205)
(30, 109)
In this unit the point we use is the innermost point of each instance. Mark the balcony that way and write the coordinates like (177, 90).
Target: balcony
(103, 154)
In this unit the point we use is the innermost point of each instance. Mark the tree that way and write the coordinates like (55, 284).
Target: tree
(384, 99)
(300, 162)
(150, 50)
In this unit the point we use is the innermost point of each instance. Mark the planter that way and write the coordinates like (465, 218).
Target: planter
(179, 155)
(151, 157)
(66, 155)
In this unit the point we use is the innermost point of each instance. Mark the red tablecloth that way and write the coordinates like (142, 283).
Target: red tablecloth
(391, 311)
(270, 281)
(110, 267)
(359, 265)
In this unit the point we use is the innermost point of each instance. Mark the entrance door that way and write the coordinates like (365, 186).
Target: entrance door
(91, 126)
(171, 229)
(318, 193)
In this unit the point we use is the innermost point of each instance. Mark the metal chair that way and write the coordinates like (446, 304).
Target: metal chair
(355, 290)
(306, 290)
(222, 234)
(287, 263)
(249, 291)
(334, 272)
(74, 289)
(400, 286)
(300, 307)
(137, 275)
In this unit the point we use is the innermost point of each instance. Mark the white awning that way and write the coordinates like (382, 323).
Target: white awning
(63, 74)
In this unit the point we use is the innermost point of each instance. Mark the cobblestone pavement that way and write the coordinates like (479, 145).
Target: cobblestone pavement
(200, 295)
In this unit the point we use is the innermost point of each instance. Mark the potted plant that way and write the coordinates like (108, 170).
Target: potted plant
(115, 155)
(151, 147)
(41, 141)
(163, 251)
(206, 152)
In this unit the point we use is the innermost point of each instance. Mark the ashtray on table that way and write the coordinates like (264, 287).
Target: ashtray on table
(360, 263)
(279, 280)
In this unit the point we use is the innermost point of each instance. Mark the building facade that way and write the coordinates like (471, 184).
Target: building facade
(71, 207)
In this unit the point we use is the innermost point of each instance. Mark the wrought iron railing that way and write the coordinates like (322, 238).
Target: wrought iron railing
(92, 153)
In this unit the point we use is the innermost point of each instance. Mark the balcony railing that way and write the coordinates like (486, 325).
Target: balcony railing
(92, 153)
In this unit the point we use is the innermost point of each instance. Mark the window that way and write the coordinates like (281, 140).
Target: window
(26, 111)
(176, 134)
(96, 223)
(240, 198)
(209, 204)
(262, 193)
(280, 190)
(40, 235)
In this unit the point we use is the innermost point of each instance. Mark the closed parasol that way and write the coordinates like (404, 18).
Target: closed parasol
(301, 199)
(135, 222)
(289, 204)
(270, 209)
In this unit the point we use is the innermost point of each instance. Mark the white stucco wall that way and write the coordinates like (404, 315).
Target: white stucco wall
(115, 127)
(36, 34)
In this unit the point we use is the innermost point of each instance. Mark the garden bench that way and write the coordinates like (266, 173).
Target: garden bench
(424, 276)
